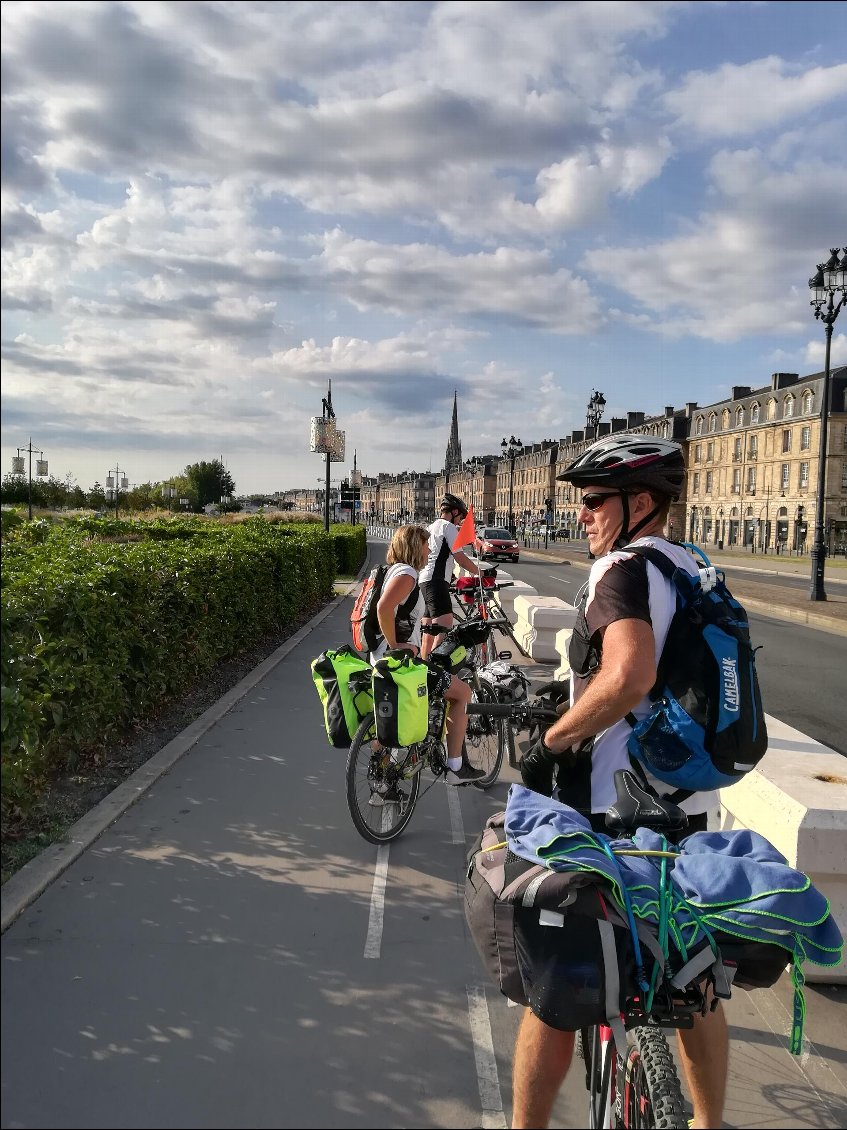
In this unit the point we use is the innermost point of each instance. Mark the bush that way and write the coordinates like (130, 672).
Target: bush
(100, 629)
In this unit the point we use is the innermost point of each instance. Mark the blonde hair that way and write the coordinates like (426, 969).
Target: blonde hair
(409, 546)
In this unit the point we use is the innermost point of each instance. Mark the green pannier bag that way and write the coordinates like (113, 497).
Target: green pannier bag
(343, 682)
(401, 701)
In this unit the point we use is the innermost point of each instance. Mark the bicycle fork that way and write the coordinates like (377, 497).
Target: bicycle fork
(603, 1083)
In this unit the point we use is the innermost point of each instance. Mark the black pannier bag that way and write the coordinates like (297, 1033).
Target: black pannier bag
(556, 942)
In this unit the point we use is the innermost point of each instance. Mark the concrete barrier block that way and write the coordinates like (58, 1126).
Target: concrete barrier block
(538, 619)
(797, 799)
(562, 640)
(509, 596)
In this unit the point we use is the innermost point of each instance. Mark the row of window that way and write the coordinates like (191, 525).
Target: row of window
(750, 482)
(753, 445)
(807, 404)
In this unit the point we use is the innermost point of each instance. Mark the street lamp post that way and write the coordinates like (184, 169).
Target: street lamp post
(40, 469)
(831, 278)
(473, 468)
(116, 481)
(511, 449)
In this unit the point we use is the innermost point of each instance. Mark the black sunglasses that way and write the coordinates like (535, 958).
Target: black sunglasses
(595, 501)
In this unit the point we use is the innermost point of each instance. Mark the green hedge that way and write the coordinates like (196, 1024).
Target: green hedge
(97, 635)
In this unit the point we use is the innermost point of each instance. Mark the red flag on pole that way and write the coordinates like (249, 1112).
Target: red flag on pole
(467, 531)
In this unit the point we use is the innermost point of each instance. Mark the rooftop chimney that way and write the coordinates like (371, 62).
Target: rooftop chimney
(618, 423)
(633, 419)
(740, 391)
(669, 410)
(603, 428)
(783, 380)
(690, 407)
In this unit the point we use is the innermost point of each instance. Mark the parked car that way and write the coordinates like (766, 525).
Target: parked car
(561, 533)
(496, 543)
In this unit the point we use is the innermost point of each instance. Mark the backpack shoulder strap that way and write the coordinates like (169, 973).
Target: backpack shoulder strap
(655, 556)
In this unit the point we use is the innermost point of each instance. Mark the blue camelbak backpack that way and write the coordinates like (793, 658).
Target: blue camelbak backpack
(706, 728)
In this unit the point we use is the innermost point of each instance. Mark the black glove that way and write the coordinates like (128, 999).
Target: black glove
(537, 767)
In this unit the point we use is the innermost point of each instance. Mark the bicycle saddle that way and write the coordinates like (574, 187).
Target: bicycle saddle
(634, 807)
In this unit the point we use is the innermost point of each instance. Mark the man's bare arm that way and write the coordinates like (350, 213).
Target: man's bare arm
(626, 674)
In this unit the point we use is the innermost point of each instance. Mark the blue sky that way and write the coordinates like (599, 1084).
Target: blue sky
(212, 209)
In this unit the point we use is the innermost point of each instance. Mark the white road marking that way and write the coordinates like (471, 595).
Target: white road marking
(493, 1116)
(561, 580)
(373, 942)
(457, 825)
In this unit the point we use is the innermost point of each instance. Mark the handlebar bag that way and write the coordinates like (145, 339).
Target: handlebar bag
(401, 699)
(343, 682)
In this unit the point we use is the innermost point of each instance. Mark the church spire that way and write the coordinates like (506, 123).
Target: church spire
(453, 458)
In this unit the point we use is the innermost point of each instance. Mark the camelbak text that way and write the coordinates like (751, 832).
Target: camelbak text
(730, 685)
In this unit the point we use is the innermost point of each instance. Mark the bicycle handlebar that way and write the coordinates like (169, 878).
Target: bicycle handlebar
(522, 713)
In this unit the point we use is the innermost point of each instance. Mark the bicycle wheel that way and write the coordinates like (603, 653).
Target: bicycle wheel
(648, 1091)
(382, 786)
(485, 740)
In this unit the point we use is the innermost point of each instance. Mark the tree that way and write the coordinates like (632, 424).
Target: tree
(97, 497)
(209, 481)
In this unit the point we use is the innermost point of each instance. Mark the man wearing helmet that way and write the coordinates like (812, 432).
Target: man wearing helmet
(436, 574)
(627, 484)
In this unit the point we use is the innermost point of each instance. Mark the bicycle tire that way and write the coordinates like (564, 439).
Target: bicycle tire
(649, 1095)
(378, 821)
(486, 740)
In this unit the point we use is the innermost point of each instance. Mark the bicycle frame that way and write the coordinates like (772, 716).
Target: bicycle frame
(600, 1076)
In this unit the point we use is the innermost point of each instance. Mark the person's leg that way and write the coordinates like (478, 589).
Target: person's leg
(428, 641)
(704, 1055)
(541, 1061)
(458, 696)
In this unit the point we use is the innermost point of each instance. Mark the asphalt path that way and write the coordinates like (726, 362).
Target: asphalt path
(801, 670)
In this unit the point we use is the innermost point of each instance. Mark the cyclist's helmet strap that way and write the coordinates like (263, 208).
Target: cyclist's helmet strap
(455, 503)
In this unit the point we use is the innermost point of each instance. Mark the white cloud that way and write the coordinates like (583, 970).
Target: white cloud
(523, 287)
(738, 100)
(815, 353)
(735, 270)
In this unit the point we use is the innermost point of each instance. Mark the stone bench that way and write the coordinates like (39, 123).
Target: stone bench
(538, 620)
(797, 799)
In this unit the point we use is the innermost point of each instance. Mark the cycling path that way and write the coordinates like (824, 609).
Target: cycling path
(197, 954)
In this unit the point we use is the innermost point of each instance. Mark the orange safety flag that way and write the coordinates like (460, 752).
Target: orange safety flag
(467, 531)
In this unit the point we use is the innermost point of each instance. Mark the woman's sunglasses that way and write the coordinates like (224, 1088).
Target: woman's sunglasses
(595, 501)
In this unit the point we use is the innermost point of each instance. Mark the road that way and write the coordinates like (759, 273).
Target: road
(801, 670)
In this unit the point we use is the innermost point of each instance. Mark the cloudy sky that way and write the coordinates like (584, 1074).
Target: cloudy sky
(212, 209)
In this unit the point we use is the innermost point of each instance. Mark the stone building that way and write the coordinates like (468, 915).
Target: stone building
(753, 464)
(522, 490)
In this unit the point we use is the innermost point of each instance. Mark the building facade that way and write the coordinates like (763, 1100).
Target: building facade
(753, 464)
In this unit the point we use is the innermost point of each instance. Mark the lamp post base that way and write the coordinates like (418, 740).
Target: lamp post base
(816, 591)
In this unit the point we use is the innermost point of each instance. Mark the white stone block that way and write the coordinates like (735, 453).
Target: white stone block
(563, 638)
(538, 619)
(797, 799)
(507, 597)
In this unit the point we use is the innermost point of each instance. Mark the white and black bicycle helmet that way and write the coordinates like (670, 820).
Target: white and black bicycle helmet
(630, 462)
(455, 503)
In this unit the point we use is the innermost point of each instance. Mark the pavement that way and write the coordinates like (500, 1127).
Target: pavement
(165, 966)
(752, 582)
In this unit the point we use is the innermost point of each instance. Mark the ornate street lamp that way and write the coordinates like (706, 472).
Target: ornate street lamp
(473, 468)
(511, 449)
(826, 285)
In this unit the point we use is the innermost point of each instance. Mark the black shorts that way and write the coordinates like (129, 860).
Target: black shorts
(436, 596)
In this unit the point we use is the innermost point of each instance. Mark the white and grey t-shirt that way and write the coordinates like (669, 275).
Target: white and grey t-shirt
(439, 565)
